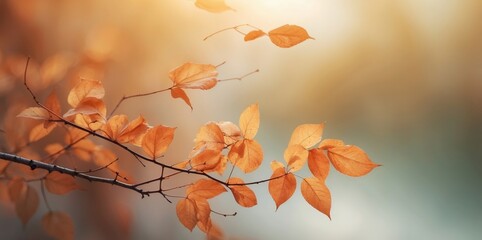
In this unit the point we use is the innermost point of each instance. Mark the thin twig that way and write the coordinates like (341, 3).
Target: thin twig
(239, 78)
(224, 214)
(42, 189)
(229, 28)
(134, 96)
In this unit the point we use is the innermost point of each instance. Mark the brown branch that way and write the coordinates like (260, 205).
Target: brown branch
(235, 28)
(137, 95)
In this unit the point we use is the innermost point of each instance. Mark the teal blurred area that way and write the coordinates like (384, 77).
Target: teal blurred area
(400, 79)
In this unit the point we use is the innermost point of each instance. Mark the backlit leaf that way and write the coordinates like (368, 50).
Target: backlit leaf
(35, 113)
(211, 136)
(249, 121)
(318, 163)
(307, 135)
(205, 188)
(134, 131)
(254, 35)
(52, 103)
(89, 106)
(351, 160)
(231, 132)
(243, 195)
(317, 194)
(114, 126)
(203, 210)
(58, 225)
(288, 35)
(26, 201)
(275, 165)
(85, 88)
(186, 212)
(214, 6)
(281, 186)
(179, 93)
(58, 183)
(251, 157)
(40, 131)
(331, 143)
(195, 76)
(157, 140)
(206, 160)
(295, 155)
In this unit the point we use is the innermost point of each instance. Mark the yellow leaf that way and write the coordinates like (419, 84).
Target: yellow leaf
(243, 195)
(247, 155)
(83, 89)
(35, 113)
(194, 76)
(317, 195)
(254, 35)
(58, 183)
(351, 160)
(186, 212)
(280, 187)
(214, 6)
(205, 188)
(58, 225)
(307, 135)
(295, 155)
(318, 163)
(288, 35)
(249, 121)
(179, 93)
(157, 140)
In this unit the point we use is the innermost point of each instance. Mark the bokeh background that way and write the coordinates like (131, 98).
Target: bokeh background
(400, 79)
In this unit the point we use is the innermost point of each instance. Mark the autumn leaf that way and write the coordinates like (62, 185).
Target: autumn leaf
(179, 93)
(58, 225)
(211, 136)
(351, 160)
(203, 210)
(52, 103)
(40, 131)
(213, 232)
(205, 188)
(134, 132)
(157, 140)
(84, 89)
(254, 35)
(288, 35)
(330, 143)
(89, 106)
(214, 6)
(249, 121)
(275, 165)
(247, 155)
(307, 135)
(58, 183)
(281, 186)
(114, 126)
(194, 76)
(318, 163)
(295, 155)
(230, 131)
(35, 113)
(25, 198)
(206, 160)
(186, 212)
(317, 194)
(243, 195)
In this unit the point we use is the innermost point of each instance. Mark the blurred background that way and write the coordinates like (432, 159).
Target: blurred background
(400, 79)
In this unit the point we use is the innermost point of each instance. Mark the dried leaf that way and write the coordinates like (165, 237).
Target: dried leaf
(205, 188)
(58, 225)
(307, 135)
(206, 160)
(134, 132)
(288, 35)
(186, 212)
(231, 132)
(214, 6)
(330, 143)
(194, 76)
(280, 187)
(247, 155)
(351, 160)
(317, 195)
(52, 103)
(54, 68)
(84, 89)
(254, 35)
(203, 210)
(89, 106)
(179, 93)
(58, 183)
(114, 126)
(40, 131)
(157, 140)
(249, 121)
(35, 113)
(211, 136)
(243, 195)
(295, 155)
(319, 164)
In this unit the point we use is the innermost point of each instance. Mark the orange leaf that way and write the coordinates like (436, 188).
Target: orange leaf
(212, 231)
(52, 103)
(288, 35)
(205, 188)
(307, 135)
(84, 89)
(243, 195)
(247, 155)
(249, 121)
(275, 165)
(194, 76)
(58, 183)
(295, 156)
(40, 131)
(330, 143)
(254, 35)
(281, 188)
(186, 212)
(211, 136)
(134, 131)
(54, 68)
(206, 160)
(317, 195)
(157, 140)
(25, 199)
(214, 6)
(58, 225)
(89, 106)
(203, 210)
(3, 166)
(230, 131)
(15, 188)
(35, 113)
(319, 164)
(351, 160)
(114, 126)
(179, 93)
